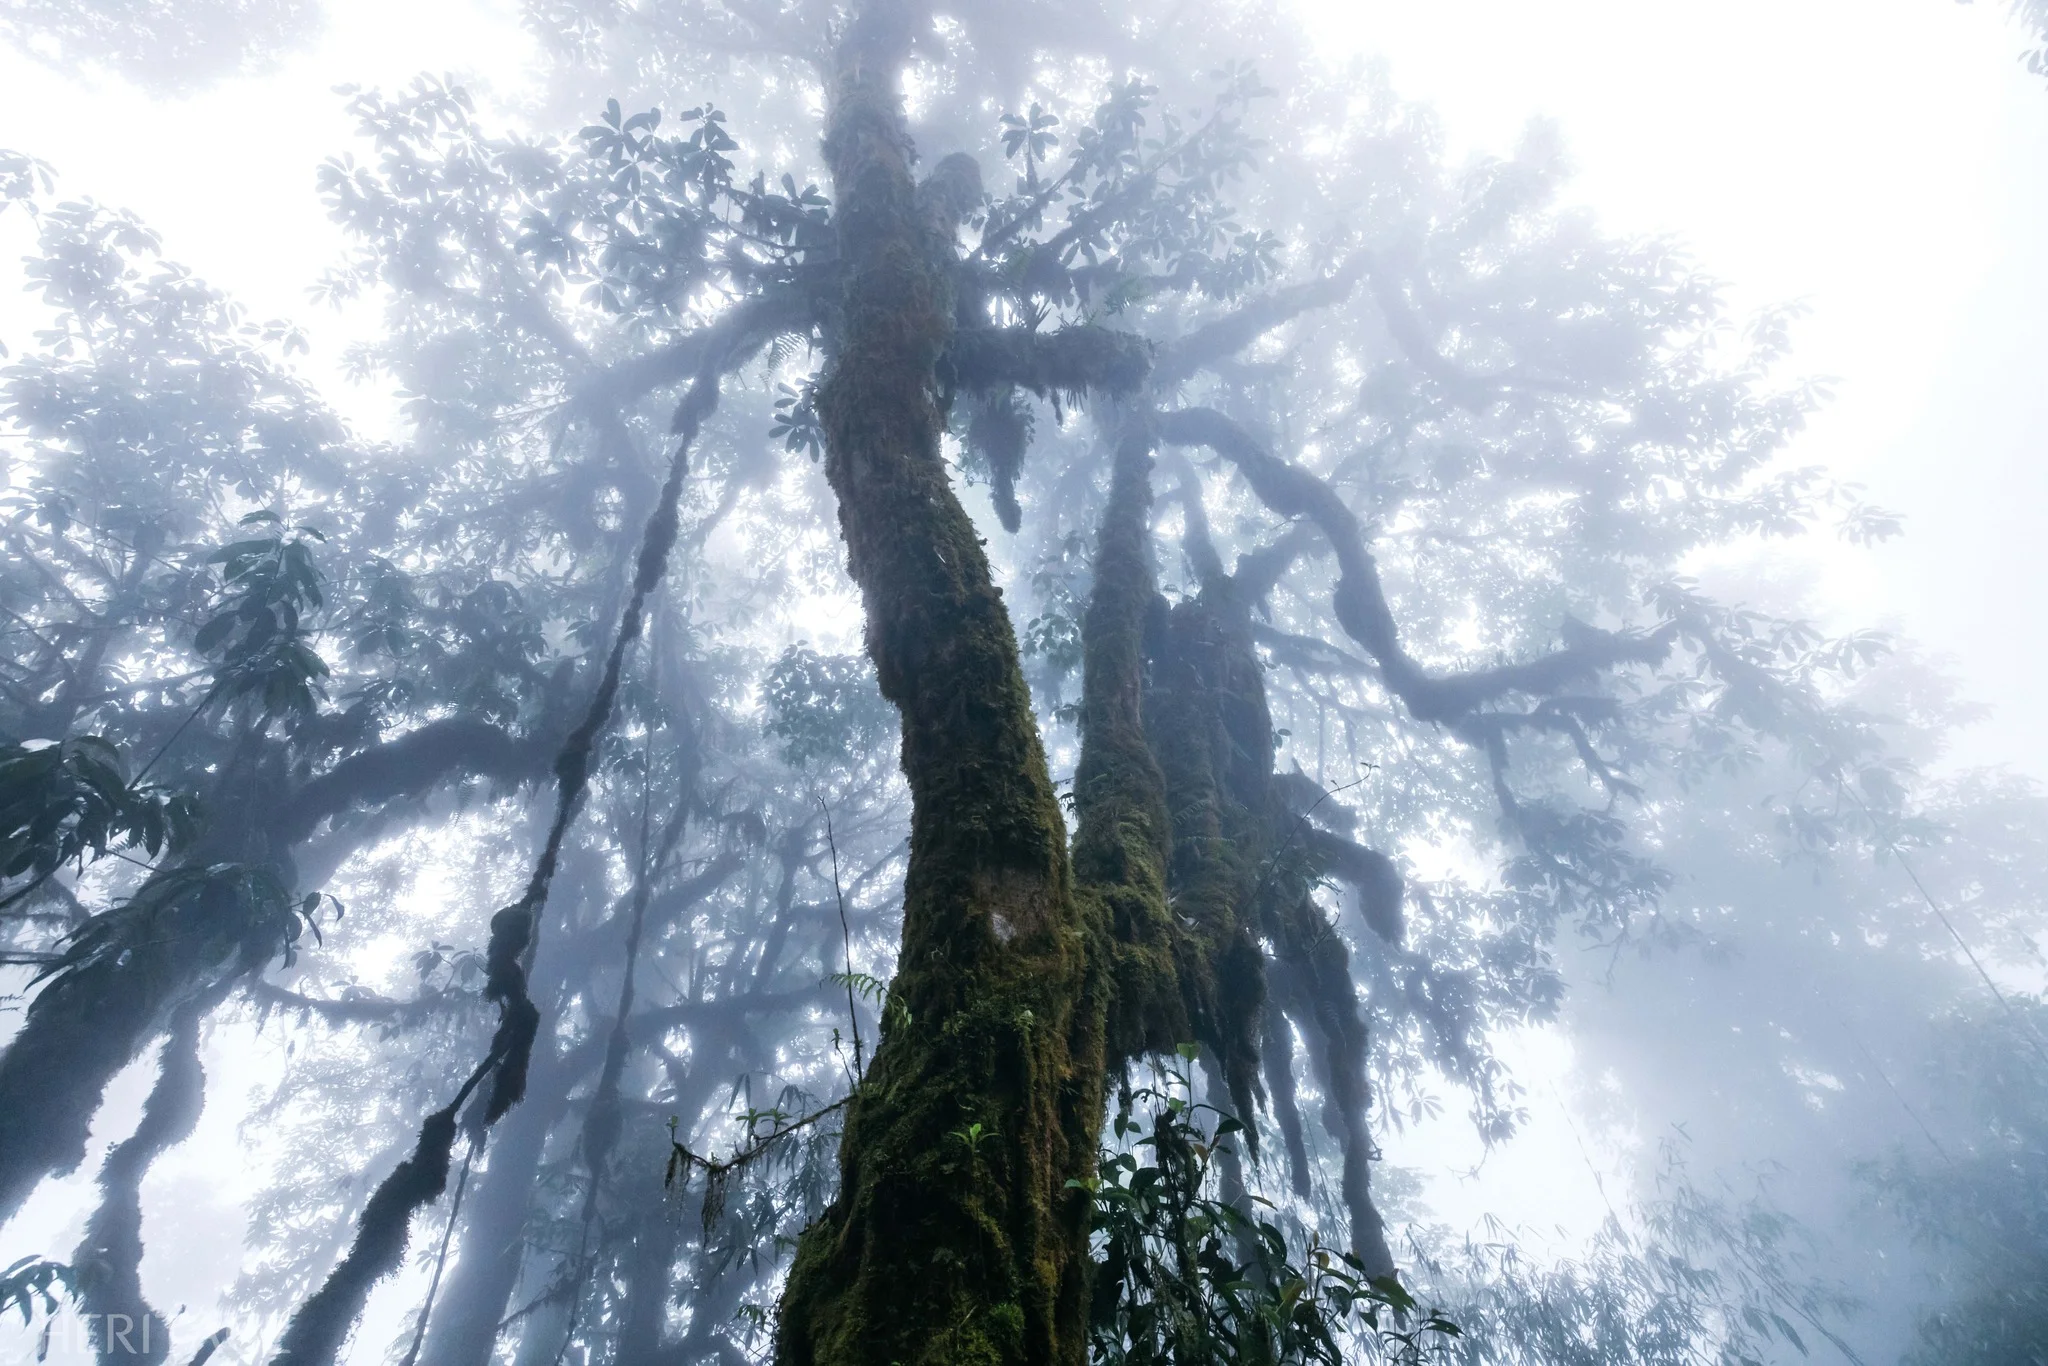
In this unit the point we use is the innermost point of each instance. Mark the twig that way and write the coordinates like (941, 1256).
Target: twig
(716, 1174)
(846, 938)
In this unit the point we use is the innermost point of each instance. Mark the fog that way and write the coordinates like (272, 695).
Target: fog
(1361, 692)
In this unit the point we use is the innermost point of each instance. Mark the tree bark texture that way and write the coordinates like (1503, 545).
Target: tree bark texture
(955, 1238)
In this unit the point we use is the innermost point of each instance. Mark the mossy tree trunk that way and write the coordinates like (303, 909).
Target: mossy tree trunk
(954, 1238)
(1124, 837)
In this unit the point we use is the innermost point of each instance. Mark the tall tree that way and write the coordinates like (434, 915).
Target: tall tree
(1355, 489)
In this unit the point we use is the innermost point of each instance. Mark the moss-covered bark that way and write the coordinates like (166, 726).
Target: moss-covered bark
(1122, 844)
(1206, 717)
(1312, 980)
(1245, 862)
(954, 1238)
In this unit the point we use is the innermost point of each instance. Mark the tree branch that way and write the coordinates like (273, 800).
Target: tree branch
(408, 766)
(1232, 333)
(1071, 360)
(364, 1009)
(1360, 600)
(1474, 393)
(625, 381)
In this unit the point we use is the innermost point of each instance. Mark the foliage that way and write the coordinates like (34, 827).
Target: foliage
(172, 46)
(1185, 1276)
(825, 707)
(1437, 391)
(32, 1281)
(65, 801)
(270, 583)
(1687, 1276)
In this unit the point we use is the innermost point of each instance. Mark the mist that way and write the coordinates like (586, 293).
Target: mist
(851, 681)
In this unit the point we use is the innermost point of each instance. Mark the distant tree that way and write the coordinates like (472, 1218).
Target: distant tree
(1979, 1199)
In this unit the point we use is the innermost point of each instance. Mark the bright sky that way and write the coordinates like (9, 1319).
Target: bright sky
(1884, 160)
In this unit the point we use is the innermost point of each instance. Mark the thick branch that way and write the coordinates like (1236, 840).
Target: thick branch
(1195, 541)
(1259, 571)
(408, 766)
(1360, 600)
(1370, 873)
(1120, 849)
(1473, 392)
(1079, 359)
(1308, 654)
(1232, 333)
(625, 382)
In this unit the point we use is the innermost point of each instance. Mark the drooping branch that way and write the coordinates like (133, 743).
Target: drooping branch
(1371, 874)
(1277, 1056)
(992, 364)
(1312, 975)
(1360, 600)
(322, 1323)
(999, 432)
(515, 929)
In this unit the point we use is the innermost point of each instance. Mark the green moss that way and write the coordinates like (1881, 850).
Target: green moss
(1207, 720)
(938, 1249)
(1120, 848)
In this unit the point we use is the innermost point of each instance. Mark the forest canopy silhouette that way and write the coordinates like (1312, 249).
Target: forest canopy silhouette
(1002, 651)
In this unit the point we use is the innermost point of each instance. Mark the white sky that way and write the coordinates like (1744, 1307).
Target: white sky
(1884, 160)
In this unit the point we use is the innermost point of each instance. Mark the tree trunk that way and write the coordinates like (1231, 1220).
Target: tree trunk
(126, 1330)
(954, 1238)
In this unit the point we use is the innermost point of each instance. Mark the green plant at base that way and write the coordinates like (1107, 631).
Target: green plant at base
(1183, 1276)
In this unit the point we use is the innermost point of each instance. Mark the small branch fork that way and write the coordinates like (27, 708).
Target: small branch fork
(718, 1175)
